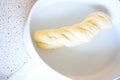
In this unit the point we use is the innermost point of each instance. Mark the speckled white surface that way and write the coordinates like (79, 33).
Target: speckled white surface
(13, 55)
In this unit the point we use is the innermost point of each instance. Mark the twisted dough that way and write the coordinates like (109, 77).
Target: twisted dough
(71, 36)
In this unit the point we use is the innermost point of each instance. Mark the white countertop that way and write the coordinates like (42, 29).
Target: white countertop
(13, 55)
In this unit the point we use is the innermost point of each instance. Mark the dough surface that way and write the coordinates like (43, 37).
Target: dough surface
(74, 35)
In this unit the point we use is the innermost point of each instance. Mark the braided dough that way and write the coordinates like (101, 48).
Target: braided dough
(76, 34)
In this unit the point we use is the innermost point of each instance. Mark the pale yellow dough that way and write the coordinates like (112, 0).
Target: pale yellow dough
(74, 35)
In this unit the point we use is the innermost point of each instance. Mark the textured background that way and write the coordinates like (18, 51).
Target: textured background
(13, 15)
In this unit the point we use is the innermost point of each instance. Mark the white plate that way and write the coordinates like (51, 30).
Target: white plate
(96, 60)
